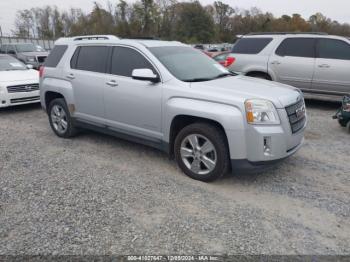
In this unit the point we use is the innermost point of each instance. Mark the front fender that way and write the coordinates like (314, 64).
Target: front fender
(229, 117)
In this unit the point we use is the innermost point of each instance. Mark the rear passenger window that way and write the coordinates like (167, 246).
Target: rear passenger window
(55, 55)
(299, 47)
(125, 60)
(333, 49)
(250, 45)
(91, 58)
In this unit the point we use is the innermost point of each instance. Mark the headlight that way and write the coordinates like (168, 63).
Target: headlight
(30, 59)
(261, 112)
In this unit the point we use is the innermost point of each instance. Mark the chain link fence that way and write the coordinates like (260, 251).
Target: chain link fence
(46, 44)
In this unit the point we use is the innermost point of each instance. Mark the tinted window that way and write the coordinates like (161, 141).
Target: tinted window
(300, 47)
(125, 60)
(55, 55)
(250, 45)
(333, 49)
(92, 58)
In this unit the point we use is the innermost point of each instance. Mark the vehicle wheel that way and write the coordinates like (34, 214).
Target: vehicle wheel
(201, 152)
(348, 126)
(60, 120)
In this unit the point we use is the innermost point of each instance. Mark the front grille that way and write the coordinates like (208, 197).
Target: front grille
(23, 88)
(41, 59)
(25, 99)
(296, 121)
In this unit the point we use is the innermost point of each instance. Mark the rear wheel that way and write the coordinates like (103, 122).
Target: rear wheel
(201, 152)
(60, 119)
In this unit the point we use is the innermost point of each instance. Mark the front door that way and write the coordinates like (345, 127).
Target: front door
(132, 106)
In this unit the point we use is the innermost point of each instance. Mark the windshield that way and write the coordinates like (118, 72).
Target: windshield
(188, 64)
(25, 48)
(8, 63)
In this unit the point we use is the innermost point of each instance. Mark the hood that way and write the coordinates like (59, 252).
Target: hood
(19, 76)
(242, 88)
(34, 53)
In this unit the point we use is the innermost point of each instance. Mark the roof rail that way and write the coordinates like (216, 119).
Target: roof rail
(286, 33)
(94, 37)
(143, 38)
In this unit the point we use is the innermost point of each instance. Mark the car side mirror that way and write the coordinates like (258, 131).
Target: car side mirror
(145, 74)
(29, 66)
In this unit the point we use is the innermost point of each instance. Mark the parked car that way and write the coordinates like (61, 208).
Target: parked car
(19, 84)
(209, 119)
(221, 58)
(343, 114)
(28, 53)
(318, 64)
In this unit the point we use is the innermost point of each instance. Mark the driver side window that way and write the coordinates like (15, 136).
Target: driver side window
(125, 60)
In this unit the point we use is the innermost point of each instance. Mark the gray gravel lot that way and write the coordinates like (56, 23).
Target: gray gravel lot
(95, 194)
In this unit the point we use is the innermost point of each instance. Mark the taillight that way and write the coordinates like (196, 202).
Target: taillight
(41, 71)
(229, 61)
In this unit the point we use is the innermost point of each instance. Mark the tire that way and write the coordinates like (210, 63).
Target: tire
(60, 119)
(198, 164)
(348, 126)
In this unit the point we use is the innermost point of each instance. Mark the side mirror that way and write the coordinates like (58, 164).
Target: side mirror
(29, 66)
(145, 74)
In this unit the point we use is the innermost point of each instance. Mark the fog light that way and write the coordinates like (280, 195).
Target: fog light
(3, 102)
(267, 146)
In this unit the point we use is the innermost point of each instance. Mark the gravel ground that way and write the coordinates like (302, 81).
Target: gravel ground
(95, 194)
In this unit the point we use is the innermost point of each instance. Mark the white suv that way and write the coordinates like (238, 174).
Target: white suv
(173, 97)
(316, 63)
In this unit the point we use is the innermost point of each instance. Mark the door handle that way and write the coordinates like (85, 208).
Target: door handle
(324, 66)
(275, 63)
(70, 76)
(112, 83)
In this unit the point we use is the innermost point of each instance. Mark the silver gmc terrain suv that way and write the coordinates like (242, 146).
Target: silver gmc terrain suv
(172, 97)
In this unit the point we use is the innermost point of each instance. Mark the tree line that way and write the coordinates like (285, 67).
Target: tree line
(189, 22)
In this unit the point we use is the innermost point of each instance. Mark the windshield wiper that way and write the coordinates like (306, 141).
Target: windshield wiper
(197, 80)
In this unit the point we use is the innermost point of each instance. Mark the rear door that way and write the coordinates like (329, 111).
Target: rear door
(88, 77)
(293, 62)
(132, 106)
(332, 68)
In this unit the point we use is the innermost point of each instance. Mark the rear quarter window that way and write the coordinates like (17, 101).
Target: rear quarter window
(55, 55)
(250, 45)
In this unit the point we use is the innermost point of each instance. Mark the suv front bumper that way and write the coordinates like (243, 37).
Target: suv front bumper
(264, 146)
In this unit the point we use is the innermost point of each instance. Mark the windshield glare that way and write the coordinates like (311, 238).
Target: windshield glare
(26, 48)
(9, 64)
(188, 64)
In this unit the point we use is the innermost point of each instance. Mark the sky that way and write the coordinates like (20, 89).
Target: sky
(334, 9)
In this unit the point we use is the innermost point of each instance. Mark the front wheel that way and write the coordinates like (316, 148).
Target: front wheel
(60, 119)
(201, 152)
